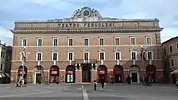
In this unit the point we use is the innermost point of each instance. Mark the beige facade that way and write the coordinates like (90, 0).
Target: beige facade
(5, 63)
(170, 52)
(87, 47)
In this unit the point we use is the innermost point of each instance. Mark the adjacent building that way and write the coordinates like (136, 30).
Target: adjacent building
(5, 62)
(170, 52)
(87, 47)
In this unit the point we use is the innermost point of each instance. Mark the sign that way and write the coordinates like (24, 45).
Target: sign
(54, 72)
(70, 72)
(118, 72)
(101, 72)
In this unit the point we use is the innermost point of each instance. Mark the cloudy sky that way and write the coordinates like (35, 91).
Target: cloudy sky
(13, 10)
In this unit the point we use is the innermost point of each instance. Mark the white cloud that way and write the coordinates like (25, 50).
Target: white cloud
(5, 36)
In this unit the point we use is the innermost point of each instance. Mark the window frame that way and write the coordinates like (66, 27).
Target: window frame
(151, 55)
(69, 57)
(116, 42)
(84, 41)
(38, 42)
(100, 41)
(131, 41)
(22, 42)
(72, 42)
(57, 56)
(146, 42)
(119, 55)
(135, 55)
(172, 62)
(54, 42)
(100, 56)
(84, 55)
(37, 56)
(170, 49)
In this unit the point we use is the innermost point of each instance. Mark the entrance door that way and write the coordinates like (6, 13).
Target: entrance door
(134, 77)
(118, 78)
(38, 78)
(86, 73)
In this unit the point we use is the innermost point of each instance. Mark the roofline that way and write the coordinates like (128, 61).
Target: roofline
(171, 39)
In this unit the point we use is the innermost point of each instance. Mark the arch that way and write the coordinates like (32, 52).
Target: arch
(70, 74)
(54, 74)
(135, 73)
(118, 74)
(38, 74)
(20, 72)
(151, 72)
(102, 73)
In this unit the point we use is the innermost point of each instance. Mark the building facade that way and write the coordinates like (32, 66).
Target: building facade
(170, 52)
(87, 47)
(5, 62)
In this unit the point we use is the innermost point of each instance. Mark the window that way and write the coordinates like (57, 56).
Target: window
(172, 62)
(101, 56)
(117, 41)
(117, 56)
(39, 56)
(171, 49)
(149, 55)
(55, 56)
(86, 42)
(1, 54)
(148, 40)
(70, 56)
(86, 56)
(133, 41)
(101, 41)
(1, 67)
(134, 55)
(24, 42)
(70, 42)
(39, 42)
(177, 46)
(55, 41)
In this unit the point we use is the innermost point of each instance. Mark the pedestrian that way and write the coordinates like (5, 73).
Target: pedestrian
(102, 82)
(177, 83)
(95, 84)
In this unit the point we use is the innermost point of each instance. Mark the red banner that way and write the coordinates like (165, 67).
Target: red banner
(118, 72)
(70, 72)
(101, 72)
(54, 72)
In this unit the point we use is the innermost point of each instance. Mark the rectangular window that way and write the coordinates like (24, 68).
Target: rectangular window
(70, 42)
(172, 62)
(171, 49)
(24, 42)
(101, 56)
(133, 41)
(70, 56)
(55, 56)
(148, 40)
(149, 55)
(117, 41)
(1, 67)
(177, 46)
(117, 56)
(86, 42)
(101, 41)
(134, 55)
(86, 55)
(55, 42)
(1, 54)
(39, 56)
(39, 42)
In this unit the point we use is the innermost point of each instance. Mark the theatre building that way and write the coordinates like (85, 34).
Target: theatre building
(87, 47)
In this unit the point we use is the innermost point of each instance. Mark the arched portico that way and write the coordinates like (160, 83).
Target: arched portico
(151, 72)
(38, 74)
(118, 74)
(54, 74)
(102, 73)
(70, 74)
(135, 74)
(22, 70)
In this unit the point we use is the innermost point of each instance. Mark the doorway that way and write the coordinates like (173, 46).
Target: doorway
(38, 78)
(70, 74)
(86, 72)
(118, 78)
(134, 77)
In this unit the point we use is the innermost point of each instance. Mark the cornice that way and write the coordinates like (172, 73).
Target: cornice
(87, 30)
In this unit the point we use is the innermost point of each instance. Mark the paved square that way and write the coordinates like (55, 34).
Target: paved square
(86, 92)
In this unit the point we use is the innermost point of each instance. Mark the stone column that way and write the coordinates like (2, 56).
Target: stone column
(93, 75)
(78, 76)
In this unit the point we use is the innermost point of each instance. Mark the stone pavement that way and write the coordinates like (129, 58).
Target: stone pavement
(86, 92)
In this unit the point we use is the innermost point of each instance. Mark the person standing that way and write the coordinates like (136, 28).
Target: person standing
(95, 84)
(177, 83)
(102, 82)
